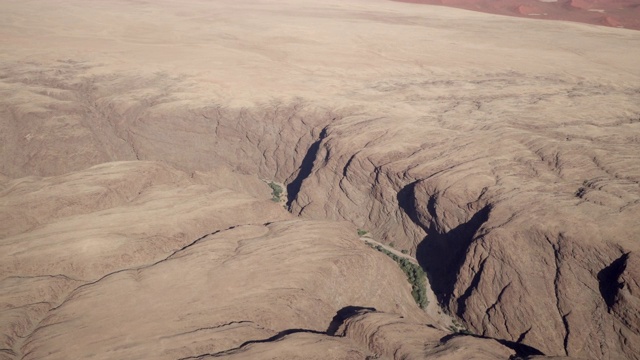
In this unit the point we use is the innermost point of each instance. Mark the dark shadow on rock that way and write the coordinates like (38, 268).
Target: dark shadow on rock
(441, 255)
(462, 299)
(293, 188)
(407, 202)
(335, 324)
(522, 351)
(280, 335)
(608, 279)
(343, 314)
(276, 337)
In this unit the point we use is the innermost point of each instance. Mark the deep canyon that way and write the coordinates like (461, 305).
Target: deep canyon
(137, 141)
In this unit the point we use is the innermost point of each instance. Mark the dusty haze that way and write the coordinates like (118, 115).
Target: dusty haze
(137, 141)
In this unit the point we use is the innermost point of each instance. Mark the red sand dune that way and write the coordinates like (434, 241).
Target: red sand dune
(614, 13)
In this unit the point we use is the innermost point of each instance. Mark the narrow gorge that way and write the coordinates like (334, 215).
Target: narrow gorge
(137, 219)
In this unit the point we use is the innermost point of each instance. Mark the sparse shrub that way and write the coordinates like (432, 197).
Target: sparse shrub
(276, 191)
(458, 328)
(362, 232)
(404, 251)
(415, 276)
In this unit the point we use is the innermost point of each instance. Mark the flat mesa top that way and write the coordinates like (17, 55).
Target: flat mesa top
(251, 50)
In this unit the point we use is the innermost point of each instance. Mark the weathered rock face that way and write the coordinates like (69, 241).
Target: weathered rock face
(175, 259)
(510, 228)
(491, 231)
(619, 288)
(136, 222)
(398, 338)
(367, 334)
(155, 270)
(267, 140)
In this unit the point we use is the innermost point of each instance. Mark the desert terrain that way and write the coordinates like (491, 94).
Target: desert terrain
(614, 13)
(258, 180)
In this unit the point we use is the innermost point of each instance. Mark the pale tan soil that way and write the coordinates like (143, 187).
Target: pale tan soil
(133, 222)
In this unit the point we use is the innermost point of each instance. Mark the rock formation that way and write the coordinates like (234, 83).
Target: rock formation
(137, 220)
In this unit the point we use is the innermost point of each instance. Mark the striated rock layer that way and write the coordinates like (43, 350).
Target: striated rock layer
(136, 220)
(157, 271)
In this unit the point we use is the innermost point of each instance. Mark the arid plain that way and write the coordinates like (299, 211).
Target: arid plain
(138, 138)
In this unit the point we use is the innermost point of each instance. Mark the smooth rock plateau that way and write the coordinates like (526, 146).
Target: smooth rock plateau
(140, 142)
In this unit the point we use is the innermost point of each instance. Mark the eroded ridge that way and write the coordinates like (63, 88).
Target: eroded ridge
(136, 158)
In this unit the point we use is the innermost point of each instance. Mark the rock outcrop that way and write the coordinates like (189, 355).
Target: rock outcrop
(175, 259)
(136, 219)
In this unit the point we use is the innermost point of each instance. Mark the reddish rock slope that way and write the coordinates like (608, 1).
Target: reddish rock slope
(614, 13)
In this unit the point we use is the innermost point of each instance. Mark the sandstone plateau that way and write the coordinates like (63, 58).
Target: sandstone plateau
(138, 141)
